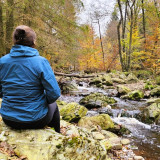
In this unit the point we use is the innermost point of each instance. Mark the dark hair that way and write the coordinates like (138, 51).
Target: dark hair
(24, 35)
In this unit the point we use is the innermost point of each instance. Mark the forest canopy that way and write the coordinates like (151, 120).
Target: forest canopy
(131, 40)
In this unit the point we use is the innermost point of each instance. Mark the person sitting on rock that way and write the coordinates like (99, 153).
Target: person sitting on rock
(27, 85)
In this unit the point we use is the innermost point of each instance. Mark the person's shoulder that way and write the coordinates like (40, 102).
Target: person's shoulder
(42, 59)
(5, 57)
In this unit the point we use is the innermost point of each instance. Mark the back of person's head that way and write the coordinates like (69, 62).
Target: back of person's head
(24, 35)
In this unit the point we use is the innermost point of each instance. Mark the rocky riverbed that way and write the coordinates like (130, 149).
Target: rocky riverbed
(107, 117)
(136, 107)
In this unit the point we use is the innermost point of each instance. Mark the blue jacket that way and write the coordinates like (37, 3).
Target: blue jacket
(27, 85)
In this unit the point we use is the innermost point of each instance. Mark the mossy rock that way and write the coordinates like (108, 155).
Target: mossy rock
(46, 144)
(72, 112)
(151, 114)
(122, 90)
(61, 104)
(102, 120)
(136, 95)
(67, 87)
(96, 100)
(148, 86)
(153, 100)
(96, 81)
(158, 80)
(154, 110)
(143, 74)
(155, 91)
(131, 78)
(106, 80)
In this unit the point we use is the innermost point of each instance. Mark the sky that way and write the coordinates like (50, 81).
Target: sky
(84, 15)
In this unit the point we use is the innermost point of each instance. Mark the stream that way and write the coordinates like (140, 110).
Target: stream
(145, 139)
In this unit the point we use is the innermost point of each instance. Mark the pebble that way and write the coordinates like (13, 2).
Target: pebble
(138, 158)
(125, 141)
(98, 136)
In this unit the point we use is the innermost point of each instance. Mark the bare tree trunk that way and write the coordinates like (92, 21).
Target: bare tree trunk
(144, 22)
(119, 44)
(1, 31)
(9, 24)
(130, 38)
(158, 13)
(100, 37)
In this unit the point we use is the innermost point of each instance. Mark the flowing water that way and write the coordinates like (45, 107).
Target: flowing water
(145, 139)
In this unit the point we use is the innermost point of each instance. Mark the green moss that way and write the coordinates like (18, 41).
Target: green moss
(158, 80)
(73, 141)
(73, 112)
(96, 100)
(59, 146)
(136, 95)
(102, 120)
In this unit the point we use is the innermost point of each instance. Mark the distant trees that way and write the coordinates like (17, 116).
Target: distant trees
(137, 40)
(53, 21)
(131, 40)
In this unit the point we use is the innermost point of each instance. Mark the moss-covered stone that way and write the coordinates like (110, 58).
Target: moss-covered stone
(131, 78)
(61, 104)
(96, 100)
(46, 144)
(154, 110)
(102, 120)
(151, 114)
(73, 112)
(148, 85)
(122, 90)
(158, 80)
(155, 91)
(134, 95)
(153, 100)
(96, 81)
(106, 80)
(67, 87)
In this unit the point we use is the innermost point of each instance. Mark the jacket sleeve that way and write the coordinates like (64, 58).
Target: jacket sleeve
(49, 82)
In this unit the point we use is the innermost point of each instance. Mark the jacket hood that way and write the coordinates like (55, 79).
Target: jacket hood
(23, 51)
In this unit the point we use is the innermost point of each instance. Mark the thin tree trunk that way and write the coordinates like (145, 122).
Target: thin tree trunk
(100, 37)
(130, 38)
(119, 44)
(9, 25)
(144, 22)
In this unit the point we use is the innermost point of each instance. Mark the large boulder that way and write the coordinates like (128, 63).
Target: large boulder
(155, 91)
(96, 100)
(103, 121)
(72, 112)
(46, 144)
